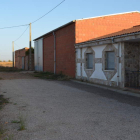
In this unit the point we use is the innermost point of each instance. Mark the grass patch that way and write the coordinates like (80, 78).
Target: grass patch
(22, 123)
(3, 101)
(9, 69)
(50, 75)
(15, 121)
(2, 130)
(9, 137)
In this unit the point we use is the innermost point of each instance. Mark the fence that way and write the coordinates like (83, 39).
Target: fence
(132, 79)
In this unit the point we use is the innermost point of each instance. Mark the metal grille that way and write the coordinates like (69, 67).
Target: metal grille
(132, 79)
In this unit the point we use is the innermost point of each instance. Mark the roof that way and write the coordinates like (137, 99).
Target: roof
(134, 29)
(26, 48)
(83, 19)
(110, 15)
(55, 29)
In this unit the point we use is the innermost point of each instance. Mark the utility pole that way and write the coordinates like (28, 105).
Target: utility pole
(13, 52)
(30, 53)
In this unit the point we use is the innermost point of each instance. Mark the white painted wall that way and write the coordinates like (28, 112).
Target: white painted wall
(114, 78)
(78, 69)
(115, 45)
(38, 57)
(98, 50)
(35, 55)
(83, 51)
(98, 73)
(83, 71)
(78, 53)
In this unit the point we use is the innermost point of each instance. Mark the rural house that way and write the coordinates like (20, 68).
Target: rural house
(55, 50)
(113, 59)
(22, 59)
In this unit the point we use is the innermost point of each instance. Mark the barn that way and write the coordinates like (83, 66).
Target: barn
(55, 50)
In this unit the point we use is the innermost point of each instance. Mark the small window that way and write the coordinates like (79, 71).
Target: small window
(89, 60)
(110, 60)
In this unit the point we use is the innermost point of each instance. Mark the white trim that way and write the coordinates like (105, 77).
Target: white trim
(109, 15)
(109, 70)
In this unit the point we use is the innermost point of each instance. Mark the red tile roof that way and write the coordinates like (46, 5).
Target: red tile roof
(95, 27)
(131, 30)
(92, 28)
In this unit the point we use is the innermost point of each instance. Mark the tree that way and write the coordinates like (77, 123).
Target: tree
(28, 51)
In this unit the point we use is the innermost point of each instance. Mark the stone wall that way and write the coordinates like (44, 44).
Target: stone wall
(131, 63)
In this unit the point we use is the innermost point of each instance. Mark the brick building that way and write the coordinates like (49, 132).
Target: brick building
(55, 50)
(22, 60)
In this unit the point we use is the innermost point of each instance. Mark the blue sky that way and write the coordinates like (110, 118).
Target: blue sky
(17, 12)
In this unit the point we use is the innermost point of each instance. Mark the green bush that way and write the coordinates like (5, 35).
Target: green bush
(28, 51)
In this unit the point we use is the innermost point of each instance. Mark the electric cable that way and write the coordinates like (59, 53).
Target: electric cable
(36, 19)
(22, 34)
(39, 19)
(48, 12)
(14, 26)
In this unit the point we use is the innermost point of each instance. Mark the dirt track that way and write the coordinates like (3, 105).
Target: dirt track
(63, 110)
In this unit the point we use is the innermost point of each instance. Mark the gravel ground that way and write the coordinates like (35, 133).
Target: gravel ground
(63, 110)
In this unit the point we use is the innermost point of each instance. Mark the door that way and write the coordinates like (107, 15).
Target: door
(22, 62)
(38, 55)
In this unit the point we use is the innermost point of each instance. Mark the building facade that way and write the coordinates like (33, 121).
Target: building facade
(22, 60)
(112, 60)
(55, 51)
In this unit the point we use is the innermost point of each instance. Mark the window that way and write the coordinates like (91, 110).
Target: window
(89, 60)
(110, 60)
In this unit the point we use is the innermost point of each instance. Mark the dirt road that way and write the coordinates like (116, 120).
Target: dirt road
(63, 110)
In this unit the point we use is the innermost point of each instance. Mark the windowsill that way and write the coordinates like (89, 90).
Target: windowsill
(89, 69)
(108, 70)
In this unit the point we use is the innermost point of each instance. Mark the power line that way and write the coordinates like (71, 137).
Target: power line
(22, 34)
(14, 26)
(16, 44)
(39, 19)
(48, 12)
(36, 19)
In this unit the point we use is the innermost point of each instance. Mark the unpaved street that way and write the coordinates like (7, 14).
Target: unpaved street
(64, 110)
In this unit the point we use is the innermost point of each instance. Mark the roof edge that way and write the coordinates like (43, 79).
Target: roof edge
(83, 19)
(22, 49)
(55, 29)
(110, 15)
(107, 38)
